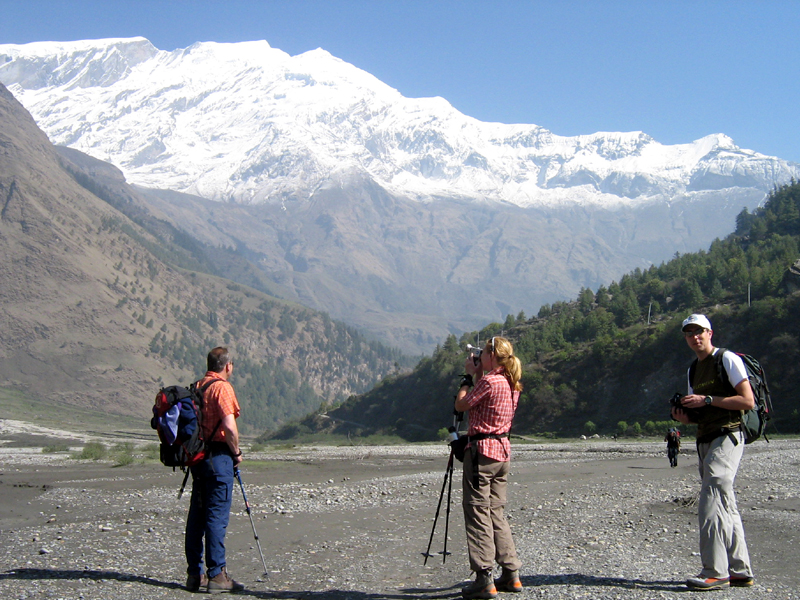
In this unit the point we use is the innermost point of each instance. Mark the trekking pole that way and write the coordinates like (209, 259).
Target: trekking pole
(250, 514)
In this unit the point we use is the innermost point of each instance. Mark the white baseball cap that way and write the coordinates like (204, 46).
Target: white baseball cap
(696, 319)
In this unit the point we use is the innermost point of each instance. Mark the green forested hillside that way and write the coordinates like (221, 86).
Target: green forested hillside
(610, 360)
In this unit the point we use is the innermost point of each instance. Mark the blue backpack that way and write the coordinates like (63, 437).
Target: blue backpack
(178, 417)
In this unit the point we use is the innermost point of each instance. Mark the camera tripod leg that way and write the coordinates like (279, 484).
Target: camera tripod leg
(448, 475)
(445, 553)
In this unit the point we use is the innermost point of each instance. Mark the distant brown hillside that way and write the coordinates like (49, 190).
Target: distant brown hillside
(100, 301)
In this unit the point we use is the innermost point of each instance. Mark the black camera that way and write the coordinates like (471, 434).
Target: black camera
(675, 402)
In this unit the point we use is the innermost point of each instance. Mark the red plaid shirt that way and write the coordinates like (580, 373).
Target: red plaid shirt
(491, 409)
(220, 400)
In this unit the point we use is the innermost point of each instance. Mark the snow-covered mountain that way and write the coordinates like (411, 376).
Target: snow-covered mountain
(249, 123)
(383, 211)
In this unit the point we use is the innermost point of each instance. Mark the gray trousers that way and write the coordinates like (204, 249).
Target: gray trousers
(488, 533)
(723, 548)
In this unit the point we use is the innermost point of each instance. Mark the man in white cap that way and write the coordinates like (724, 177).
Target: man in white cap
(715, 400)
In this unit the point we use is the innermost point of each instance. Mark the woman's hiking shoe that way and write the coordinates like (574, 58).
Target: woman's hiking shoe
(741, 581)
(508, 581)
(223, 583)
(709, 583)
(195, 582)
(483, 587)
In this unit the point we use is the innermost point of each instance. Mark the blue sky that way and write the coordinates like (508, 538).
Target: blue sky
(677, 70)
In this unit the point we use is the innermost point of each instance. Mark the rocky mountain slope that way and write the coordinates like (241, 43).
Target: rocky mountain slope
(412, 273)
(101, 301)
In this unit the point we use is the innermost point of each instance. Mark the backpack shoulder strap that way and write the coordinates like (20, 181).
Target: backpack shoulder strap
(721, 372)
(202, 390)
(208, 384)
(692, 369)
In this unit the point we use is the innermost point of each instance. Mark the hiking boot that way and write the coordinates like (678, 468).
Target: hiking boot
(195, 582)
(741, 581)
(508, 581)
(710, 583)
(483, 587)
(223, 583)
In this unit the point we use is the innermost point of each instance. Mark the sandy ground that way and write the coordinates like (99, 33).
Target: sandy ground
(591, 520)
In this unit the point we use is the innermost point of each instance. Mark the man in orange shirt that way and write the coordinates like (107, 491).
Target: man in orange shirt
(212, 481)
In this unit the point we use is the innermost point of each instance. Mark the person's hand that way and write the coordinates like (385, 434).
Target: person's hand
(680, 415)
(693, 401)
(237, 460)
(470, 366)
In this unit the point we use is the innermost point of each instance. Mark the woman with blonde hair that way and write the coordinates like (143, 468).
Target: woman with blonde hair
(491, 404)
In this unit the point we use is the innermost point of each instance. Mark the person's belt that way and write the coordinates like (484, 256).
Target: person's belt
(216, 448)
(710, 437)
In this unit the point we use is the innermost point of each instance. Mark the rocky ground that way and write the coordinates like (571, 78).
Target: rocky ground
(595, 519)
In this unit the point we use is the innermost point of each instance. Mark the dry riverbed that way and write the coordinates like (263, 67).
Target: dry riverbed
(593, 519)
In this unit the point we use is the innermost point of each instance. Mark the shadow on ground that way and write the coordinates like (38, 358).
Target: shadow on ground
(454, 591)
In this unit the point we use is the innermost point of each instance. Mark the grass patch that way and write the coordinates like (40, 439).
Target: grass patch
(123, 454)
(152, 452)
(92, 451)
(57, 447)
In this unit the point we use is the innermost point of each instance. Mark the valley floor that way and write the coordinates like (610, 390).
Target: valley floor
(593, 519)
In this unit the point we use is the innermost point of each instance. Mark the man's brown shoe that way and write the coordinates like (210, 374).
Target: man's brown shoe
(508, 581)
(195, 582)
(223, 583)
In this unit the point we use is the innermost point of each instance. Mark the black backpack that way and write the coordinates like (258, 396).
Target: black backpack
(178, 418)
(754, 421)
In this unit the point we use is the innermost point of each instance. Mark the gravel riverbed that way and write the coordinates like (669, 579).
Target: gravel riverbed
(595, 519)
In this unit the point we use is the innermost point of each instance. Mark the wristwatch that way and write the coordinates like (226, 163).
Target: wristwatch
(708, 400)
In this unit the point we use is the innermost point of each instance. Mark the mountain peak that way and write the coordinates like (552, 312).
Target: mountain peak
(69, 65)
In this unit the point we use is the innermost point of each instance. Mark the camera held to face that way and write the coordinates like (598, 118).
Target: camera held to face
(475, 352)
